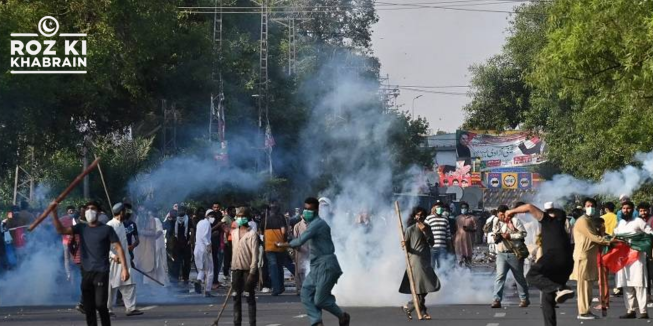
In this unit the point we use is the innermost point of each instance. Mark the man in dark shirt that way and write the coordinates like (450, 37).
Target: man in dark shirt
(96, 240)
(178, 237)
(132, 231)
(276, 230)
(551, 272)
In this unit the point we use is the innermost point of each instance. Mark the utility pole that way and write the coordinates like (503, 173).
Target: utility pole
(24, 181)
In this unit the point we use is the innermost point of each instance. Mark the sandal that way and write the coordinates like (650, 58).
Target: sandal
(427, 316)
(405, 310)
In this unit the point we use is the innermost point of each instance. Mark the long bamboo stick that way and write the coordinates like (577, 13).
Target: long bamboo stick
(65, 193)
(409, 267)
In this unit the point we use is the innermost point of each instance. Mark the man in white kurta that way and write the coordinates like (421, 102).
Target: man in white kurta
(127, 288)
(633, 278)
(203, 257)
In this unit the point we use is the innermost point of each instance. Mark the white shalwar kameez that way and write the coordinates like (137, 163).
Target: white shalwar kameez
(203, 257)
(633, 278)
(127, 288)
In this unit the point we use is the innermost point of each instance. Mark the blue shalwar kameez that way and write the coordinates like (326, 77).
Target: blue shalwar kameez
(325, 271)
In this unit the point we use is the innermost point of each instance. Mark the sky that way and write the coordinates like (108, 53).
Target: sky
(435, 47)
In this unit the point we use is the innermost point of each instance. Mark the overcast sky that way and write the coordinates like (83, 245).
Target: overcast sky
(435, 47)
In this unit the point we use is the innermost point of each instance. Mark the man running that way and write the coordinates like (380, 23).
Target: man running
(325, 269)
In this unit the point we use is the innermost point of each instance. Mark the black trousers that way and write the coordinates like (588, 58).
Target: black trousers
(95, 293)
(226, 265)
(181, 264)
(242, 282)
(549, 275)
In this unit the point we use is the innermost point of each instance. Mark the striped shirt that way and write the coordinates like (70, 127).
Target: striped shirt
(440, 228)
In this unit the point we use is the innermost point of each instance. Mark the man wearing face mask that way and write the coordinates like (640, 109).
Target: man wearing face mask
(465, 232)
(325, 269)
(244, 265)
(585, 271)
(203, 256)
(441, 234)
(95, 242)
(632, 278)
(551, 271)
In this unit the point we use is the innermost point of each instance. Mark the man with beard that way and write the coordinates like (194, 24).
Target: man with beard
(276, 230)
(465, 232)
(551, 271)
(95, 242)
(126, 287)
(418, 240)
(632, 278)
(325, 269)
(178, 242)
(585, 272)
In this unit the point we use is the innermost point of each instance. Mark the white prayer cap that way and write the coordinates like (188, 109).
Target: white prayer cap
(548, 205)
(324, 200)
(624, 197)
(208, 211)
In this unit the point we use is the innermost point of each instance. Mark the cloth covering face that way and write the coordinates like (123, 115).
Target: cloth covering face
(418, 246)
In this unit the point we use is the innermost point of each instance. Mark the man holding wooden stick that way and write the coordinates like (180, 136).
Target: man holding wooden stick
(418, 240)
(95, 241)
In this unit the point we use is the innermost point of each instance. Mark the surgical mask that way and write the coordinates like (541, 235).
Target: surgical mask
(91, 216)
(447, 214)
(590, 211)
(180, 219)
(439, 210)
(463, 211)
(211, 220)
(241, 221)
(308, 215)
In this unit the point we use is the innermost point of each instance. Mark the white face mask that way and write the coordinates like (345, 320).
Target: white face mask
(463, 211)
(590, 211)
(180, 219)
(91, 216)
(211, 220)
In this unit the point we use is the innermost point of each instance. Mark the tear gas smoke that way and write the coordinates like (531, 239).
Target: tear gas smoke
(627, 180)
(349, 137)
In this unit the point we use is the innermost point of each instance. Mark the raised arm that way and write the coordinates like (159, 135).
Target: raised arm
(537, 213)
(57, 224)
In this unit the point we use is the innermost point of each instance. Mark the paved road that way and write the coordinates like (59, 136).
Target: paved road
(286, 310)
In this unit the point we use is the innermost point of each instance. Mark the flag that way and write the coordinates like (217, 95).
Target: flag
(620, 256)
(269, 140)
(627, 252)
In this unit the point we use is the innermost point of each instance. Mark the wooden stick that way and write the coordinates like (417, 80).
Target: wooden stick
(224, 305)
(409, 267)
(65, 193)
(106, 192)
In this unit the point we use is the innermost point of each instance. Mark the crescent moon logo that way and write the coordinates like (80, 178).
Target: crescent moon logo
(48, 26)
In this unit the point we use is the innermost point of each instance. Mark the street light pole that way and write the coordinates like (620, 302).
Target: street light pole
(414, 98)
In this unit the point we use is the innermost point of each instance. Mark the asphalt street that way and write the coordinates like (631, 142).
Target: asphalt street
(287, 310)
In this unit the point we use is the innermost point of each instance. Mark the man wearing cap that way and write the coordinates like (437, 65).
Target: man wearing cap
(126, 287)
(441, 234)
